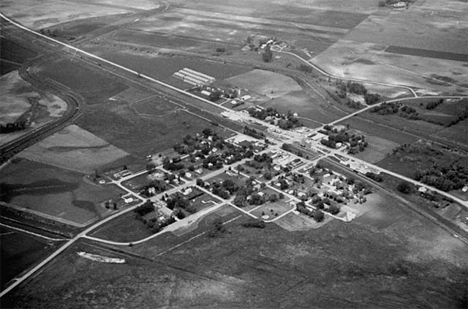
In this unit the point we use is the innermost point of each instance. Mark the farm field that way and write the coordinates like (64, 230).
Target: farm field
(57, 194)
(42, 14)
(12, 55)
(421, 47)
(23, 102)
(74, 149)
(119, 124)
(405, 257)
(19, 251)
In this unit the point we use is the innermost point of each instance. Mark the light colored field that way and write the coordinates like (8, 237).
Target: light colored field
(426, 25)
(75, 149)
(39, 14)
(16, 98)
(13, 104)
(267, 83)
(369, 61)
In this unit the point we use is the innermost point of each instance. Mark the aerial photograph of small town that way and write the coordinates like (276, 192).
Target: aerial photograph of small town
(234, 154)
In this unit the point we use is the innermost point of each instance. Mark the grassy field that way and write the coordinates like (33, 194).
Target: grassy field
(379, 130)
(406, 163)
(19, 251)
(93, 86)
(59, 194)
(118, 124)
(377, 150)
(387, 258)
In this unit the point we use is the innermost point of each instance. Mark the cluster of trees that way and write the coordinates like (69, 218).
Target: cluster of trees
(461, 117)
(386, 108)
(153, 224)
(405, 187)
(445, 178)
(177, 202)
(395, 107)
(253, 133)
(12, 127)
(305, 68)
(217, 228)
(192, 143)
(374, 176)
(172, 164)
(267, 54)
(318, 214)
(154, 187)
(356, 88)
(285, 121)
(353, 104)
(259, 224)
(433, 104)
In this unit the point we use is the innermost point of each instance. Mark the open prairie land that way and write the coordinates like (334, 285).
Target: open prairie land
(55, 193)
(387, 257)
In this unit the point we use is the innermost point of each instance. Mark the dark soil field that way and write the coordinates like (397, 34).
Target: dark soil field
(388, 258)
(93, 86)
(19, 251)
(427, 53)
(15, 52)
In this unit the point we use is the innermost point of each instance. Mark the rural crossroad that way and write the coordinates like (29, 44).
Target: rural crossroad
(98, 224)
